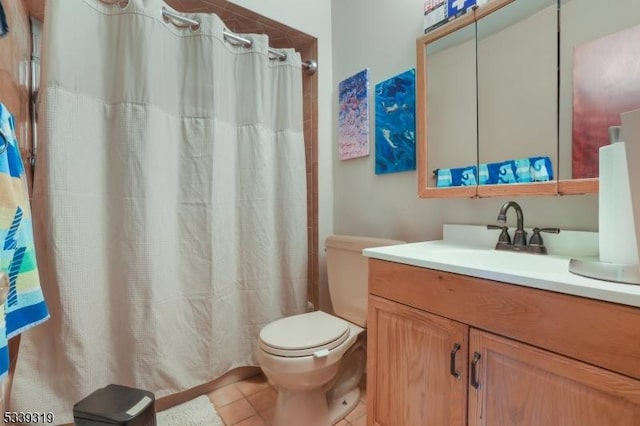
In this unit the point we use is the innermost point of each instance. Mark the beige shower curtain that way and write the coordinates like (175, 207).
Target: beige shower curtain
(169, 203)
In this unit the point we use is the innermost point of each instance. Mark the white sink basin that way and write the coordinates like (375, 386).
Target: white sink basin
(460, 259)
(499, 261)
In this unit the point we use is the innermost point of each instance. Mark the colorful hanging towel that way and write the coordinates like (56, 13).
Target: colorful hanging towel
(25, 306)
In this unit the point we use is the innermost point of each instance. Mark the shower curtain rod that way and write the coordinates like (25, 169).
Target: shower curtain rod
(310, 65)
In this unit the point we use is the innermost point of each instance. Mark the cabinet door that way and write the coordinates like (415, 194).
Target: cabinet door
(513, 384)
(409, 367)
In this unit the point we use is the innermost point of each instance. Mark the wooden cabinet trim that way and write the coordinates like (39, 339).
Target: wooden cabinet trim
(513, 189)
(578, 186)
(596, 332)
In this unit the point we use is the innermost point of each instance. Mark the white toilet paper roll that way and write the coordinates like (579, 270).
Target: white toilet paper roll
(616, 221)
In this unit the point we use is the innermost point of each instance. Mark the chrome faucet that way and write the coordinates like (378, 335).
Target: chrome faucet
(520, 236)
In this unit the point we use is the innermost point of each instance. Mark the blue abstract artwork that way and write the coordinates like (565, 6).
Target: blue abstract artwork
(395, 101)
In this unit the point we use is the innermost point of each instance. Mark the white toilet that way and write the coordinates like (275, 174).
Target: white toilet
(316, 360)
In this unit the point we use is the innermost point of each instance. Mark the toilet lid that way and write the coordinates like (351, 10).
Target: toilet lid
(302, 335)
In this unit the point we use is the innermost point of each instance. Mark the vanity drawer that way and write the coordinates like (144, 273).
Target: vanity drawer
(600, 333)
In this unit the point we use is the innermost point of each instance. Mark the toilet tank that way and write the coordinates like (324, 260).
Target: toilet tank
(347, 273)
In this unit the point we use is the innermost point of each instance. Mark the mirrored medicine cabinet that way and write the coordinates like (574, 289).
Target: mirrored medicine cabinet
(503, 89)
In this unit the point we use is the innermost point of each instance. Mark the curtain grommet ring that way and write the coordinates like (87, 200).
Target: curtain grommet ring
(173, 18)
(236, 40)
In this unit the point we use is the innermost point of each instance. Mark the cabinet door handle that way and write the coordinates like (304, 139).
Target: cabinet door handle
(474, 376)
(456, 348)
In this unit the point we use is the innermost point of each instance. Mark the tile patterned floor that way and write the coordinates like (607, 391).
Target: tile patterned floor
(251, 402)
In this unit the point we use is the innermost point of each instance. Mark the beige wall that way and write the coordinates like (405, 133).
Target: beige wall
(380, 35)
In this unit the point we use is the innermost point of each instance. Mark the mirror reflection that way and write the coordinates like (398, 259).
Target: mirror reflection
(517, 93)
(552, 77)
(451, 109)
(599, 78)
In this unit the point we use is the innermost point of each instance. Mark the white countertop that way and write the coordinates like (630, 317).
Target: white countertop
(546, 272)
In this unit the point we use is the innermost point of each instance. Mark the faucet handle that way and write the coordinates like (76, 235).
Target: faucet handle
(536, 244)
(504, 239)
(550, 230)
(536, 238)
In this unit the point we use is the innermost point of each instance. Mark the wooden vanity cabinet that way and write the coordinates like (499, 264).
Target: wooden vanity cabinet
(524, 358)
(522, 385)
(411, 354)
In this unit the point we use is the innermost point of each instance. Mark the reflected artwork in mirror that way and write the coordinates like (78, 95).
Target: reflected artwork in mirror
(599, 79)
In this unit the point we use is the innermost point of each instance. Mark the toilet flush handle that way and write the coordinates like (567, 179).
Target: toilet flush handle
(322, 353)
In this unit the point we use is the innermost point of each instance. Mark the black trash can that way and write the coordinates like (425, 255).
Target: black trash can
(116, 405)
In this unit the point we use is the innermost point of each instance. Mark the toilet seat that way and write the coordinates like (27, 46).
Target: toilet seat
(313, 333)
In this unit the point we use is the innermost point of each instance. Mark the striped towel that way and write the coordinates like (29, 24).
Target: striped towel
(456, 176)
(531, 169)
(522, 170)
(25, 306)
